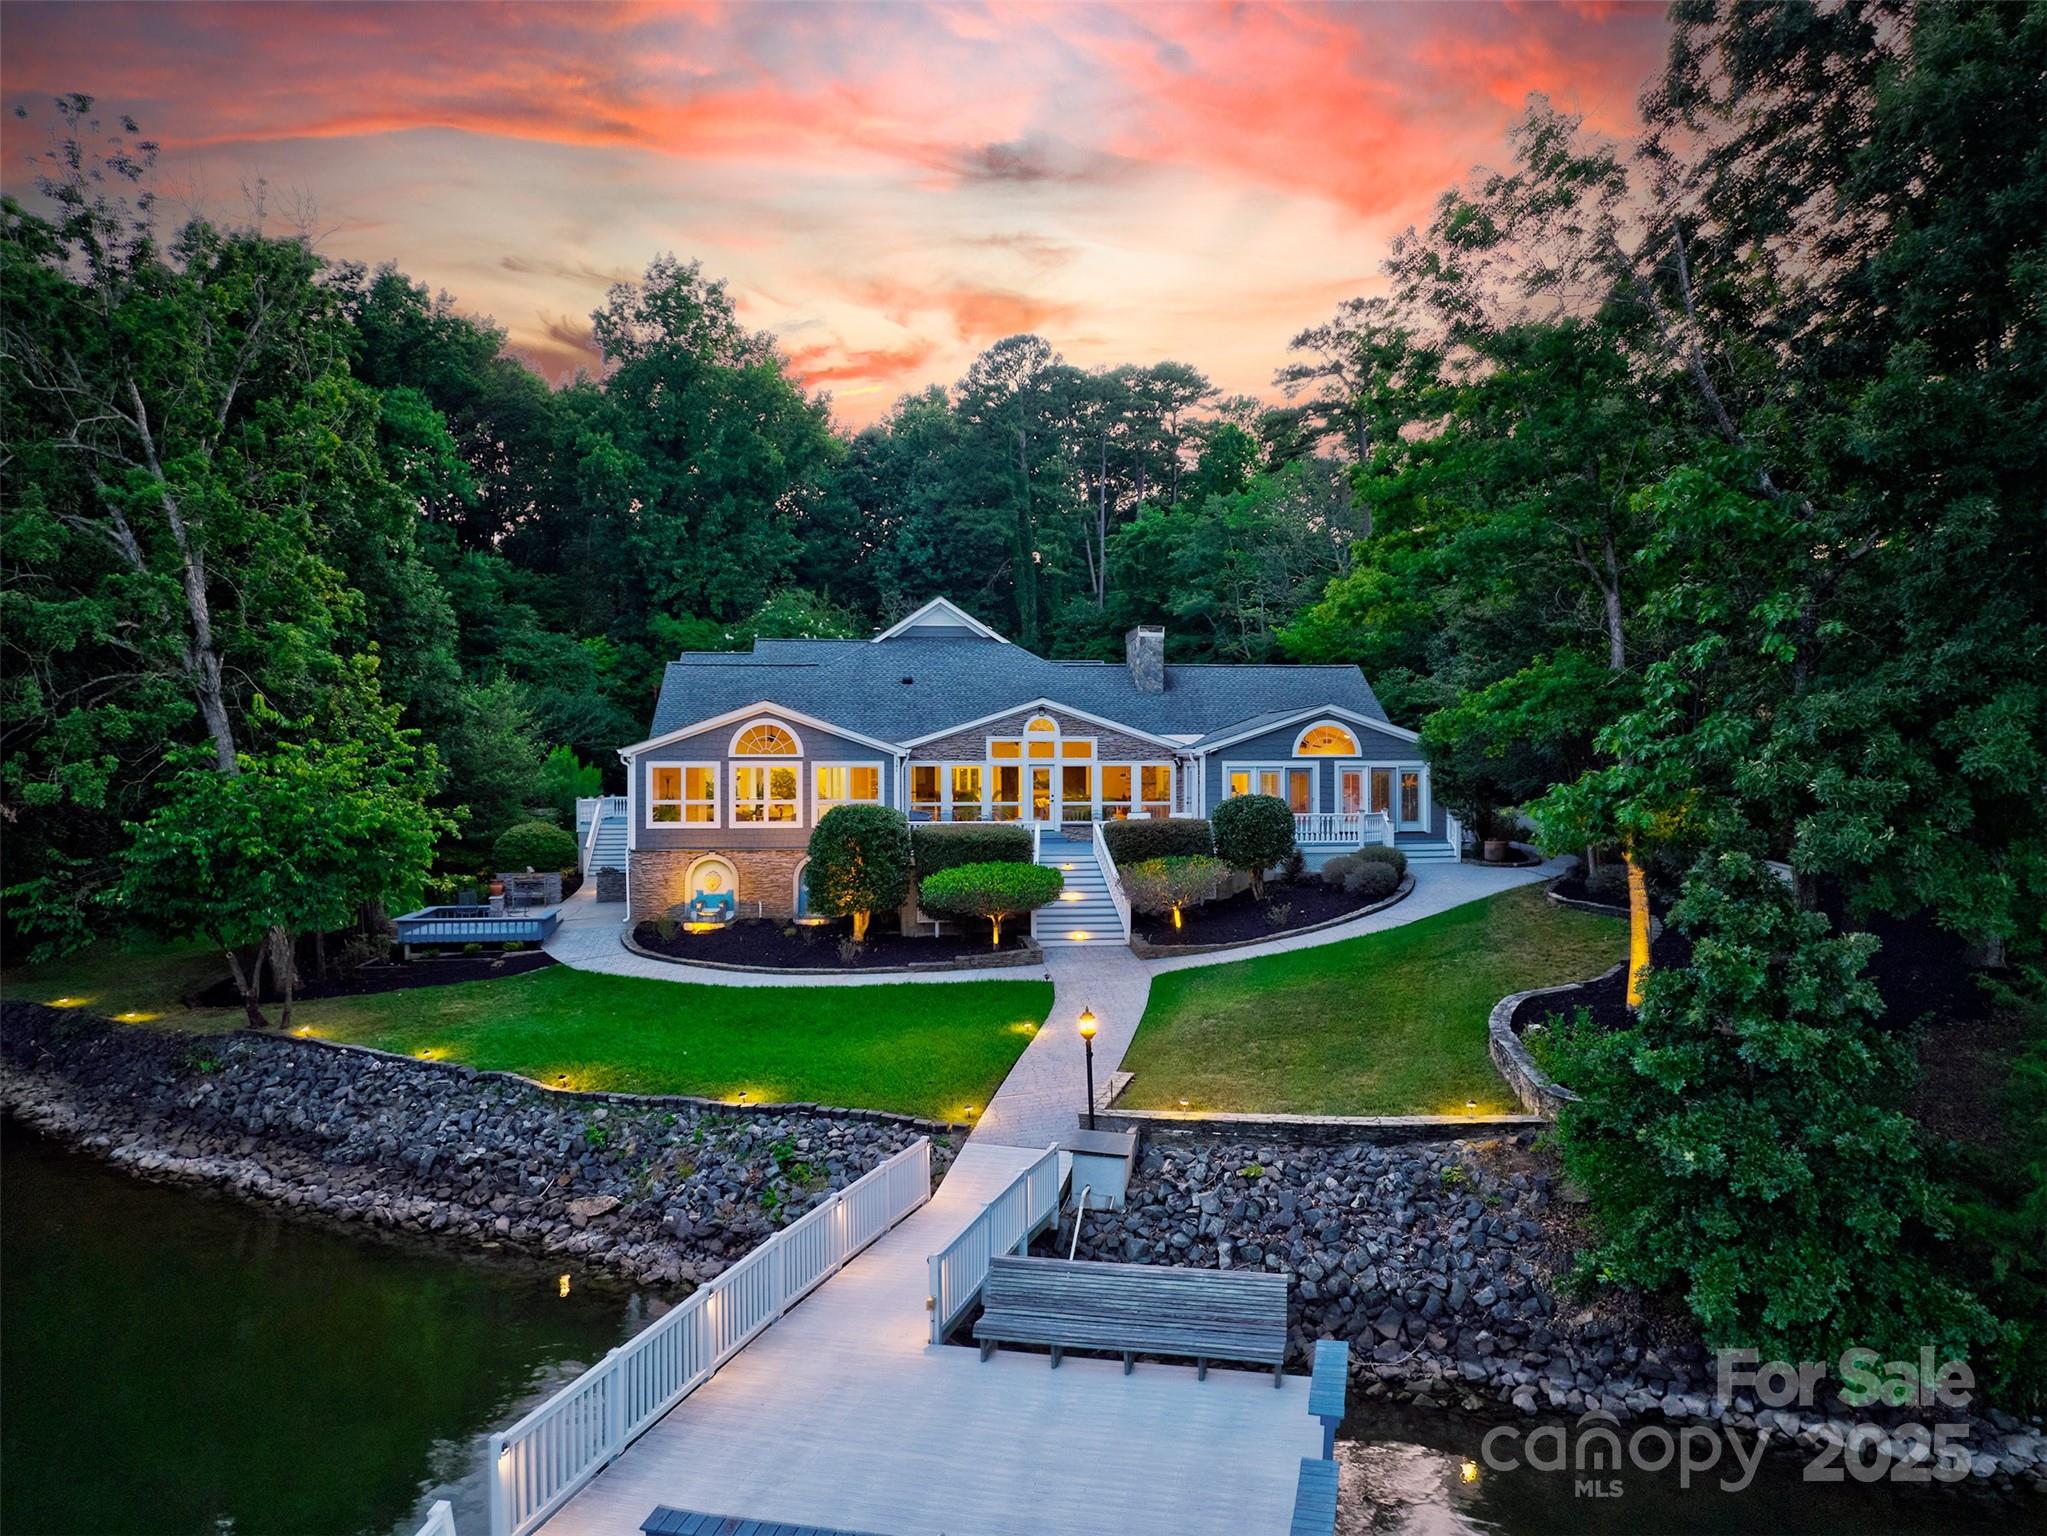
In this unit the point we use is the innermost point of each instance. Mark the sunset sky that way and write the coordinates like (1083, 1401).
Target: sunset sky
(887, 188)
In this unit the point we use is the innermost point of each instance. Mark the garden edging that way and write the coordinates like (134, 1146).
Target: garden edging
(1144, 949)
(1316, 1130)
(1026, 953)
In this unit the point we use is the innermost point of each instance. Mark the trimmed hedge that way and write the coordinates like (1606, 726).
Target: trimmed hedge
(1379, 853)
(1253, 833)
(859, 863)
(993, 891)
(536, 845)
(1180, 837)
(1168, 885)
(1372, 879)
(942, 845)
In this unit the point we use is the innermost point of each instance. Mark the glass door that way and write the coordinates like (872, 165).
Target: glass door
(1042, 803)
(1350, 790)
(1382, 790)
(1410, 797)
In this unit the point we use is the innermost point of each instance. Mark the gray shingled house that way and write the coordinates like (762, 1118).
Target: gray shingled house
(942, 716)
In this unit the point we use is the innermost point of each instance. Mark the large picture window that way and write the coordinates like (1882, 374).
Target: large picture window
(846, 784)
(680, 794)
(765, 793)
(1296, 786)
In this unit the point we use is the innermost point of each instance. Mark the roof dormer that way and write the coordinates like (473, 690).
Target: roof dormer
(940, 619)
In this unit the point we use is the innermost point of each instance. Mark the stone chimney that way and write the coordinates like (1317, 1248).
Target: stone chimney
(1144, 648)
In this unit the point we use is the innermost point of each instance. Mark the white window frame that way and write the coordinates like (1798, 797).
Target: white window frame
(1282, 767)
(819, 804)
(683, 825)
(1350, 732)
(766, 765)
(732, 747)
(1397, 766)
(1137, 800)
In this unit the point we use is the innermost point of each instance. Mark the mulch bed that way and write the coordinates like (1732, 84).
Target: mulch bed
(1918, 971)
(394, 976)
(1243, 916)
(794, 947)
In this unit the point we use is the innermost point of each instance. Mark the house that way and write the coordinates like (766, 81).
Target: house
(947, 719)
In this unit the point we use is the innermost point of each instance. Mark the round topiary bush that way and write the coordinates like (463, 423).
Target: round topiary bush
(1172, 884)
(993, 891)
(1393, 858)
(533, 845)
(1253, 833)
(859, 863)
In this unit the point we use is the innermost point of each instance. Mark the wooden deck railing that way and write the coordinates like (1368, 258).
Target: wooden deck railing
(1006, 1224)
(542, 1460)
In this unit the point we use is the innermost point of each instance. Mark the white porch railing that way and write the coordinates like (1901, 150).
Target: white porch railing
(1006, 1223)
(440, 1520)
(1352, 828)
(542, 1460)
(1117, 894)
(600, 808)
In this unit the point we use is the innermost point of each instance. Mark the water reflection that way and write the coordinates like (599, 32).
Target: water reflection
(1409, 1473)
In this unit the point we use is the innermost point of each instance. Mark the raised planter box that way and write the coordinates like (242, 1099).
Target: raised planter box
(474, 925)
(611, 885)
(1026, 953)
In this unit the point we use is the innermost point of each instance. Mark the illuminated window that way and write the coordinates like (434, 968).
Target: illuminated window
(766, 740)
(682, 792)
(1326, 740)
(924, 789)
(1041, 725)
(847, 784)
(763, 794)
(966, 791)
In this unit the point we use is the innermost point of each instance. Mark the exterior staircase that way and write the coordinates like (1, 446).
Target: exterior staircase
(1421, 848)
(607, 849)
(1084, 913)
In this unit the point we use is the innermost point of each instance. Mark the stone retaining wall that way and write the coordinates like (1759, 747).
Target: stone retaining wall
(1315, 1130)
(1439, 1263)
(661, 1189)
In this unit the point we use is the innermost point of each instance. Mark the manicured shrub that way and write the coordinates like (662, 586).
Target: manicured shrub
(534, 845)
(1372, 879)
(1253, 833)
(1608, 885)
(1379, 853)
(1172, 885)
(1132, 842)
(859, 863)
(993, 891)
(938, 845)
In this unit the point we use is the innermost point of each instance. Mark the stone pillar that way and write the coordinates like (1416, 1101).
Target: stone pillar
(1144, 648)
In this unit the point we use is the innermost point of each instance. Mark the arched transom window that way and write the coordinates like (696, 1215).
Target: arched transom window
(1041, 725)
(766, 739)
(1326, 740)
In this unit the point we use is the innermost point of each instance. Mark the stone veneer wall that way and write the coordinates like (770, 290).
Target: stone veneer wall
(766, 876)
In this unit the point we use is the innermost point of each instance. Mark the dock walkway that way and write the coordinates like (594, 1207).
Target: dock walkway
(844, 1414)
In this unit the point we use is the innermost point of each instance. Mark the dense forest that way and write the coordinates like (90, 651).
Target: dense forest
(1687, 494)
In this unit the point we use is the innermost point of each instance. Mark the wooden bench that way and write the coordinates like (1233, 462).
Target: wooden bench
(1197, 1314)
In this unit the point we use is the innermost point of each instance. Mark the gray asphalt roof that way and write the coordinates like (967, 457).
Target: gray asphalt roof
(914, 686)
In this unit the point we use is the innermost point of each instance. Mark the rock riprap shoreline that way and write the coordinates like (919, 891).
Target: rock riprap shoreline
(663, 1191)
(1438, 1262)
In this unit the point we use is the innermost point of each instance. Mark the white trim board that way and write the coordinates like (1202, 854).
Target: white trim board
(1040, 706)
(1294, 717)
(767, 707)
(953, 615)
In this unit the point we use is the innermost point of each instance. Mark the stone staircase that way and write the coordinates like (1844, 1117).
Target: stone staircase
(1421, 848)
(1084, 914)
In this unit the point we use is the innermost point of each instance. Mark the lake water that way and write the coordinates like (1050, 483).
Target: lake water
(174, 1363)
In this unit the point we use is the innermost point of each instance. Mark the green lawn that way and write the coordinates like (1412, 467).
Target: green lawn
(930, 1049)
(1393, 1023)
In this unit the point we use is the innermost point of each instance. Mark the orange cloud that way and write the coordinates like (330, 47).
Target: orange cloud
(831, 363)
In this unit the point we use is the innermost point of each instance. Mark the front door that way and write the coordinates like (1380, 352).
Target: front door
(1043, 807)
(1408, 808)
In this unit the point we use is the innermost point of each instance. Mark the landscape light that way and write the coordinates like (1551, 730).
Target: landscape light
(564, 1285)
(1469, 1471)
(1087, 1023)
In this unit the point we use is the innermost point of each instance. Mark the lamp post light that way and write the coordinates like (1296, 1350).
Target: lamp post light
(1087, 1038)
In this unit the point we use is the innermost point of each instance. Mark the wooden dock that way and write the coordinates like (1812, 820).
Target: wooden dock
(844, 1414)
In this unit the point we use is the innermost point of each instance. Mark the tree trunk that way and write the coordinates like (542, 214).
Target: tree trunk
(996, 924)
(283, 962)
(246, 984)
(860, 922)
(1638, 932)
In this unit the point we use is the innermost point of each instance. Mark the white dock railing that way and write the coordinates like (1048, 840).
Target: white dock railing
(1006, 1223)
(1114, 880)
(440, 1520)
(554, 1450)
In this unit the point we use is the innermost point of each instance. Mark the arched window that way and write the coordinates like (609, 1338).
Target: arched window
(1326, 740)
(1041, 725)
(765, 738)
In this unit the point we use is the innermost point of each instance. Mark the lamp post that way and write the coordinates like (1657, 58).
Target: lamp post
(1087, 1038)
